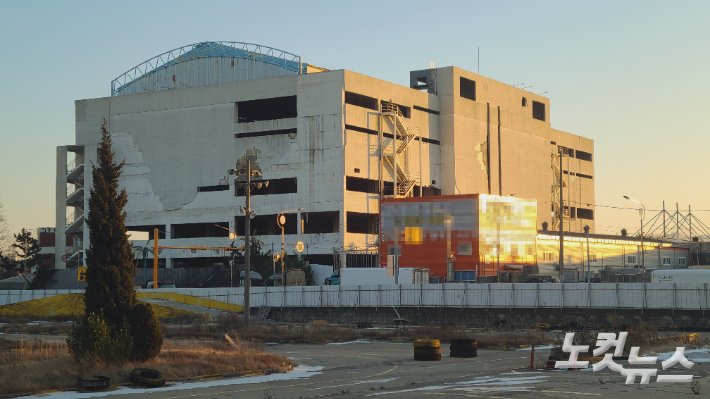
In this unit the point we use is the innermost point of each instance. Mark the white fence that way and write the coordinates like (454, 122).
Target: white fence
(547, 295)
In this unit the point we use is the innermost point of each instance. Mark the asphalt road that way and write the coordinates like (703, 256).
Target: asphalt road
(386, 369)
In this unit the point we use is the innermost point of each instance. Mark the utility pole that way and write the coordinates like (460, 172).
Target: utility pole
(586, 230)
(244, 170)
(562, 222)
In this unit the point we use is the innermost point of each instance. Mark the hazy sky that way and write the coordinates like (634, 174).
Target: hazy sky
(634, 76)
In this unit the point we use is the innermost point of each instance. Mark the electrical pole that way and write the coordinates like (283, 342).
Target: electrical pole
(247, 247)
(586, 230)
(244, 171)
(562, 223)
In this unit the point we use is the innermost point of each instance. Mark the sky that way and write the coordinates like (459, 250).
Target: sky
(631, 75)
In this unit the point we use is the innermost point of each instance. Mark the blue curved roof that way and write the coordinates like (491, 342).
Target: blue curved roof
(285, 61)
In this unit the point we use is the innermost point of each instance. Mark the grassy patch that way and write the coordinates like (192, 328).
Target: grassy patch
(33, 365)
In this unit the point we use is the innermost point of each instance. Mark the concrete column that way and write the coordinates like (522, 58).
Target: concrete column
(60, 239)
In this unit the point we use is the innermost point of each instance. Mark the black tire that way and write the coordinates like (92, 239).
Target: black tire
(470, 347)
(427, 351)
(464, 342)
(464, 354)
(148, 378)
(428, 357)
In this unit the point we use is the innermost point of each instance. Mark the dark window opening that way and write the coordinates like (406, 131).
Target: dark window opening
(569, 152)
(221, 187)
(266, 225)
(387, 135)
(320, 222)
(573, 213)
(317, 259)
(431, 192)
(525, 102)
(357, 170)
(430, 111)
(360, 100)
(266, 109)
(266, 133)
(362, 185)
(585, 213)
(197, 230)
(361, 260)
(585, 176)
(539, 111)
(406, 111)
(468, 88)
(276, 186)
(362, 223)
(585, 156)
(150, 229)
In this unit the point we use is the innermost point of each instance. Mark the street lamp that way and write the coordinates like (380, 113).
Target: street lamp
(281, 221)
(245, 168)
(642, 212)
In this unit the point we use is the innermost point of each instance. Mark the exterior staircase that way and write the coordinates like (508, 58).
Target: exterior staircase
(396, 160)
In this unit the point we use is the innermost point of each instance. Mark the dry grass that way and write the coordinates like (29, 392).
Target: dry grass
(312, 333)
(39, 366)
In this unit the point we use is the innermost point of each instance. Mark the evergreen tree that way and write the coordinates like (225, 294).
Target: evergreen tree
(28, 254)
(5, 239)
(109, 260)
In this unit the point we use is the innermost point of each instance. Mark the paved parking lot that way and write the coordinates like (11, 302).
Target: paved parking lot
(386, 369)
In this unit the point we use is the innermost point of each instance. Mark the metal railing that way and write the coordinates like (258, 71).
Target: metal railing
(258, 52)
(76, 215)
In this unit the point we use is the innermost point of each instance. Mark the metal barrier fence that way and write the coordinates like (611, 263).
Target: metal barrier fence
(688, 296)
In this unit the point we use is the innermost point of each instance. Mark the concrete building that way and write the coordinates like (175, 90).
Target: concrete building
(332, 142)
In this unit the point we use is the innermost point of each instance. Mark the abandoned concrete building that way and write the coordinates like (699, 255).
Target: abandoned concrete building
(333, 142)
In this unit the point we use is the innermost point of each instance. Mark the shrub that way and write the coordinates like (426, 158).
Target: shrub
(146, 330)
(93, 340)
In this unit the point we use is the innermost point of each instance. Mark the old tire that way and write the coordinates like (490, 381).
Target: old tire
(427, 343)
(148, 378)
(464, 354)
(427, 351)
(427, 357)
(464, 342)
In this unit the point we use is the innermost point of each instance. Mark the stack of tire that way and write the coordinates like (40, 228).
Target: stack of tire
(464, 347)
(427, 349)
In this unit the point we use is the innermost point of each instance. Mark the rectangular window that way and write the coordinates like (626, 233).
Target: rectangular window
(539, 110)
(362, 223)
(467, 88)
(320, 222)
(584, 176)
(266, 133)
(525, 102)
(631, 259)
(276, 186)
(592, 258)
(465, 248)
(585, 156)
(221, 187)
(198, 230)
(666, 261)
(427, 110)
(266, 109)
(362, 185)
(681, 261)
(360, 100)
(266, 225)
(585, 213)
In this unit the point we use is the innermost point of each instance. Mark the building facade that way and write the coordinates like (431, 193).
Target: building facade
(332, 142)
